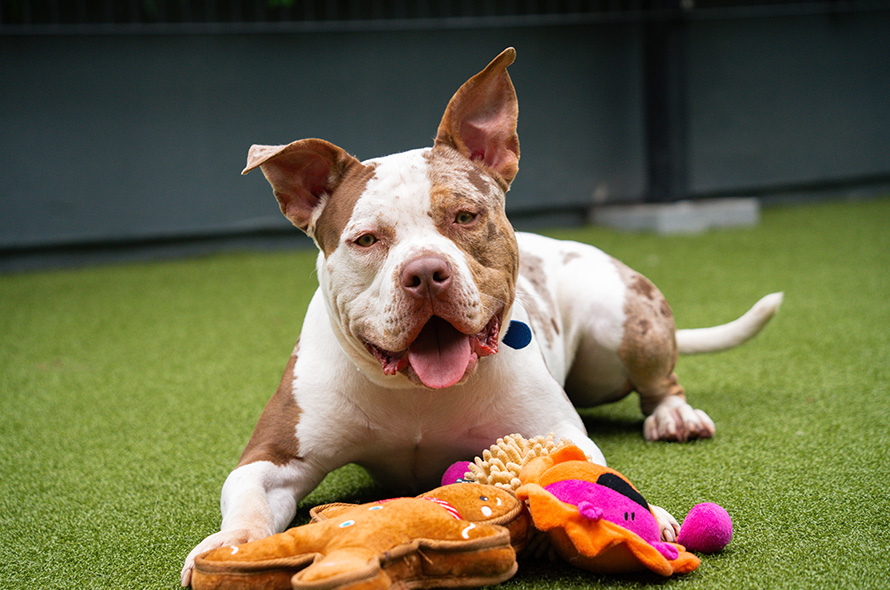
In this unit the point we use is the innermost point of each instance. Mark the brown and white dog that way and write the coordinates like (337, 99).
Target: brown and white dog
(402, 366)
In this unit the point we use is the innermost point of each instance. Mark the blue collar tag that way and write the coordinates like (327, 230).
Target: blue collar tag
(518, 335)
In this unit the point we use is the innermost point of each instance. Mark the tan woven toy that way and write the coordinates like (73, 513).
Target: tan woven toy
(501, 463)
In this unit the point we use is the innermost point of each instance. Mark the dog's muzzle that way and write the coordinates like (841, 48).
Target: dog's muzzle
(441, 355)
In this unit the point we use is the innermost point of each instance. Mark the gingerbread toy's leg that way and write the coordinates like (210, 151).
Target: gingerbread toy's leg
(352, 567)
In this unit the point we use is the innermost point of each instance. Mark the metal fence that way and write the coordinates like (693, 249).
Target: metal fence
(165, 16)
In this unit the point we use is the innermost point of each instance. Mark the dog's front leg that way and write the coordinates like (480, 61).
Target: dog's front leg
(258, 499)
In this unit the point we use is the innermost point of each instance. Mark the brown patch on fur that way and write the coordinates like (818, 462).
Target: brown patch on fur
(648, 347)
(478, 182)
(643, 287)
(536, 317)
(570, 256)
(489, 242)
(339, 205)
(274, 437)
(531, 268)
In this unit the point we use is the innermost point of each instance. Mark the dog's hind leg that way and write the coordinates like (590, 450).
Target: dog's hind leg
(618, 336)
(649, 352)
(641, 359)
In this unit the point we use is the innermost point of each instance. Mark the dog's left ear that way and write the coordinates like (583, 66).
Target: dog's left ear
(480, 121)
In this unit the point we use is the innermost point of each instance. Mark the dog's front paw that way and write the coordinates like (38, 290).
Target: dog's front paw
(668, 525)
(675, 420)
(220, 539)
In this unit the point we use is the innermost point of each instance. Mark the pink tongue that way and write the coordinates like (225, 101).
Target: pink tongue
(440, 355)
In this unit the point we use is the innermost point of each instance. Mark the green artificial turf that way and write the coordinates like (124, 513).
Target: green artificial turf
(129, 391)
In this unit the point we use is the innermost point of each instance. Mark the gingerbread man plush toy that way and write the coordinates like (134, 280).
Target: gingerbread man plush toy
(456, 536)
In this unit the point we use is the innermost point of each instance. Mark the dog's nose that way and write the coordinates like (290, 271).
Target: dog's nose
(427, 276)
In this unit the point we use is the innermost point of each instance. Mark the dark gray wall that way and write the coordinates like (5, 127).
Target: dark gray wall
(123, 138)
(134, 137)
(779, 102)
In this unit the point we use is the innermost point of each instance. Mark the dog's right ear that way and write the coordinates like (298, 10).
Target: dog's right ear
(301, 174)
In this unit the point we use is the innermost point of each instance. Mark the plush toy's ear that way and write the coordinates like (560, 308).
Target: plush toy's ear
(480, 121)
(301, 174)
(531, 472)
(568, 453)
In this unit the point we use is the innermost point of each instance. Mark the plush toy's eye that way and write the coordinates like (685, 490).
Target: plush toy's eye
(483, 498)
(346, 523)
(464, 217)
(366, 240)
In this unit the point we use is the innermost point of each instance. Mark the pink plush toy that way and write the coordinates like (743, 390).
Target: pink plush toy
(455, 473)
(706, 529)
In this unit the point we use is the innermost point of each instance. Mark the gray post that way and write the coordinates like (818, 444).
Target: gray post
(664, 71)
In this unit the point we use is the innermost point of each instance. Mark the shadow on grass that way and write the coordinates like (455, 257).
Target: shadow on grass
(350, 485)
(546, 573)
(611, 426)
(606, 423)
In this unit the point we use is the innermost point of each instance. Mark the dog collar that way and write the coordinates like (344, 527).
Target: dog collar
(518, 335)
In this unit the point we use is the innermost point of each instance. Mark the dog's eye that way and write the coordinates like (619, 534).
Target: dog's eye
(366, 240)
(464, 218)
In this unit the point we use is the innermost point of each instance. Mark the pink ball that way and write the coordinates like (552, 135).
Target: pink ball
(706, 529)
(455, 472)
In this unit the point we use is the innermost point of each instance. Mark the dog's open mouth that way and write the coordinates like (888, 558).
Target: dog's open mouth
(440, 355)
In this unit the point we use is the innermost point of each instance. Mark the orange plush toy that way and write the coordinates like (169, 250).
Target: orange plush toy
(456, 536)
(595, 518)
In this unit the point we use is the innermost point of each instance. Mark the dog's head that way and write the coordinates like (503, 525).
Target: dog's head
(418, 262)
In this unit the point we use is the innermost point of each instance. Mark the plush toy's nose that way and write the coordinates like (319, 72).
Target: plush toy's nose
(426, 277)
(589, 511)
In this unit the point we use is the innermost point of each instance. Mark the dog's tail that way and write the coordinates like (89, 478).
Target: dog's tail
(732, 334)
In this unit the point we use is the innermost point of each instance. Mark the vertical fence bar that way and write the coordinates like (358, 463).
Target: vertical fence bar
(664, 71)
